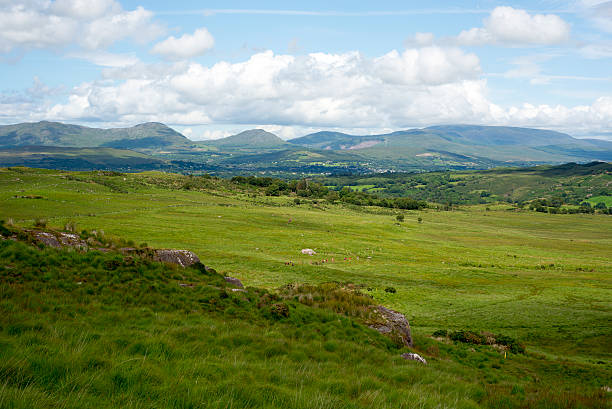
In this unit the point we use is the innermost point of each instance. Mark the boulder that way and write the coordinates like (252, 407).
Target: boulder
(183, 258)
(234, 281)
(392, 323)
(59, 239)
(309, 252)
(414, 357)
(47, 239)
(71, 240)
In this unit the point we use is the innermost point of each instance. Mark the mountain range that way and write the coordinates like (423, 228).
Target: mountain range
(431, 148)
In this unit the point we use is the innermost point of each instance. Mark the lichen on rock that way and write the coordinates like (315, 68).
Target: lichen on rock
(392, 323)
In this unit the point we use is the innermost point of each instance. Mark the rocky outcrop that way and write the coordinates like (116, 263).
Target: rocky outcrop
(183, 258)
(59, 239)
(414, 357)
(392, 323)
(234, 281)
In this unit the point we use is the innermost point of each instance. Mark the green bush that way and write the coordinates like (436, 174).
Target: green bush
(440, 333)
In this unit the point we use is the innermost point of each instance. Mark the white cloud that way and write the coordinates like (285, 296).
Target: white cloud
(596, 51)
(507, 25)
(106, 59)
(600, 12)
(186, 46)
(420, 40)
(90, 24)
(84, 9)
(280, 92)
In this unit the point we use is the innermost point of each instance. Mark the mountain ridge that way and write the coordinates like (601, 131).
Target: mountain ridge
(415, 150)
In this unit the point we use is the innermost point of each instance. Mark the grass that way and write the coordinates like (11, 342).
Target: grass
(594, 200)
(539, 278)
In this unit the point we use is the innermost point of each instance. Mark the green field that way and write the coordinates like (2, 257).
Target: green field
(594, 200)
(543, 279)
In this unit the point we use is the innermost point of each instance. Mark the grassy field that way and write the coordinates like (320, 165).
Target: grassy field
(544, 279)
(594, 200)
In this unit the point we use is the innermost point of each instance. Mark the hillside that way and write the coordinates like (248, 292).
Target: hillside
(250, 139)
(143, 137)
(570, 183)
(465, 145)
(99, 329)
(450, 147)
(52, 157)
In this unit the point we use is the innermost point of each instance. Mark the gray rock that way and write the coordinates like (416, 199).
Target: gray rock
(183, 258)
(47, 239)
(393, 323)
(71, 240)
(234, 281)
(414, 357)
(59, 240)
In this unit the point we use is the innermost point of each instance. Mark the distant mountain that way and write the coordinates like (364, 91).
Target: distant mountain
(253, 138)
(54, 157)
(501, 135)
(469, 144)
(337, 141)
(148, 137)
(434, 148)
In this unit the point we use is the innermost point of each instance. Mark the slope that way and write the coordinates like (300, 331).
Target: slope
(250, 139)
(150, 136)
(52, 157)
(98, 329)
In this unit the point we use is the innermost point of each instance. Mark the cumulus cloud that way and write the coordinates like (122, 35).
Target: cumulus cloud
(396, 90)
(186, 46)
(507, 25)
(91, 24)
(321, 89)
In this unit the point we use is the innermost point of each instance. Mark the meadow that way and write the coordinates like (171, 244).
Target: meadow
(544, 279)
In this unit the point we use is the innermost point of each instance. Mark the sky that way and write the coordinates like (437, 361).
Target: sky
(210, 69)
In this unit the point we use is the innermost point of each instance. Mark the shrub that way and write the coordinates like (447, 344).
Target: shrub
(440, 333)
(399, 218)
(513, 345)
(391, 290)
(467, 337)
(280, 310)
(40, 223)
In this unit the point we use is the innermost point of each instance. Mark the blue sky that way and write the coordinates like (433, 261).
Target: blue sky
(210, 69)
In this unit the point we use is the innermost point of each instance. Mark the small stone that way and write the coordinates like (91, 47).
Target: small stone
(414, 357)
(234, 281)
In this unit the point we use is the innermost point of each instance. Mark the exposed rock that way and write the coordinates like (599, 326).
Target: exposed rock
(59, 240)
(47, 239)
(414, 357)
(234, 281)
(183, 258)
(239, 290)
(310, 252)
(71, 240)
(394, 324)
